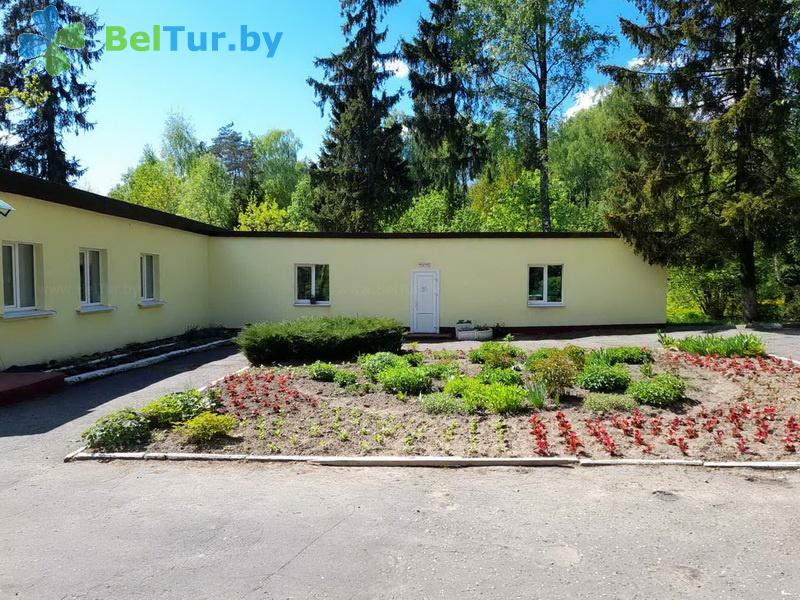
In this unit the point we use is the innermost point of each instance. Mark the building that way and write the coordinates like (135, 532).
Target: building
(83, 273)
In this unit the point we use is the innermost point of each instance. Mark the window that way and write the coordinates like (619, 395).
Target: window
(545, 285)
(313, 284)
(90, 277)
(148, 267)
(19, 279)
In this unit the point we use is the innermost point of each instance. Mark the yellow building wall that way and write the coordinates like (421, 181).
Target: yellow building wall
(483, 280)
(62, 231)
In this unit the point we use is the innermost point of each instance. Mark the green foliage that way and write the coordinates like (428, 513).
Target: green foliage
(500, 375)
(714, 291)
(428, 212)
(496, 354)
(152, 184)
(331, 338)
(597, 402)
(556, 371)
(275, 165)
(602, 377)
(661, 390)
(493, 397)
(118, 430)
(445, 355)
(742, 344)
(406, 380)
(537, 394)
(175, 408)
(322, 371)
(443, 370)
(207, 426)
(373, 364)
(630, 355)
(267, 216)
(415, 359)
(575, 353)
(441, 403)
(345, 378)
(207, 194)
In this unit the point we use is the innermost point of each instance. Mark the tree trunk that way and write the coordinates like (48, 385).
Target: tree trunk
(747, 273)
(544, 150)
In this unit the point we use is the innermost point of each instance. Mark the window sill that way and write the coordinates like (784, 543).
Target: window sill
(20, 315)
(151, 303)
(94, 308)
(310, 304)
(546, 305)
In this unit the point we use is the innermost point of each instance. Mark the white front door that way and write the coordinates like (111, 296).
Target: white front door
(425, 302)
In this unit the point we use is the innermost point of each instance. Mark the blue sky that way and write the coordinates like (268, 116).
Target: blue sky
(136, 90)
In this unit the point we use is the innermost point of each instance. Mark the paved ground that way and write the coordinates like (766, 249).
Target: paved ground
(163, 530)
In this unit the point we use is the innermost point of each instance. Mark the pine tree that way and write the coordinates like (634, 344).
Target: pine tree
(360, 178)
(444, 65)
(39, 150)
(707, 137)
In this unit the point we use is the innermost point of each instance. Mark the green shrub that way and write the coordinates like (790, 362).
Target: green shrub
(499, 375)
(598, 402)
(444, 355)
(661, 390)
(415, 359)
(602, 377)
(443, 370)
(462, 386)
(443, 404)
(405, 379)
(373, 364)
(175, 408)
(322, 371)
(575, 353)
(345, 378)
(118, 430)
(742, 344)
(630, 355)
(496, 354)
(556, 372)
(328, 338)
(207, 426)
(501, 399)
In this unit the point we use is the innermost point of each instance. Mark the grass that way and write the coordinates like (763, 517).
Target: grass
(741, 345)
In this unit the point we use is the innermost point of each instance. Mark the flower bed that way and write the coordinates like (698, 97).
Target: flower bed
(729, 409)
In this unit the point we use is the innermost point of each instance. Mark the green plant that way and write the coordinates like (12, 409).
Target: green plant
(662, 390)
(441, 403)
(500, 375)
(322, 371)
(176, 408)
(345, 378)
(501, 399)
(118, 430)
(444, 355)
(598, 402)
(443, 370)
(602, 377)
(415, 359)
(207, 426)
(537, 394)
(373, 364)
(556, 371)
(331, 338)
(742, 344)
(575, 353)
(630, 355)
(496, 354)
(405, 380)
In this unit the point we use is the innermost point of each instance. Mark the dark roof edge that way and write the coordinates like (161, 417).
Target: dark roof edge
(33, 187)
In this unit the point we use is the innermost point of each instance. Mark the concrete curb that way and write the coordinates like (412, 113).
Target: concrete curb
(614, 462)
(768, 465)
(144, 362)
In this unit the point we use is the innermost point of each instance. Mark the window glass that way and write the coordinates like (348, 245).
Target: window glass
(536, 284)
(94, 276)
(8, 276)
(27, 282)
(304, 283)
(147, 263)
(82, 260)
(554, 280)
(322, 291)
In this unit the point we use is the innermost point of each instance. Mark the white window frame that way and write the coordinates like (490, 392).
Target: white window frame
(544, 302)
(87, 279)
(304, 302)
(143, 277)
(15, 265)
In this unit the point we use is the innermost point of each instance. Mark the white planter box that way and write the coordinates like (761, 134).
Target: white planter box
(477, 335)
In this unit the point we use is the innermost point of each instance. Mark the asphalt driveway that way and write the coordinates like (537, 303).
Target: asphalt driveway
(179, 530)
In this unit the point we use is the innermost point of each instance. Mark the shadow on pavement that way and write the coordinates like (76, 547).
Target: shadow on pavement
(46, 413)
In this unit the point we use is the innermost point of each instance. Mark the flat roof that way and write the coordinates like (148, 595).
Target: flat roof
(12, 182)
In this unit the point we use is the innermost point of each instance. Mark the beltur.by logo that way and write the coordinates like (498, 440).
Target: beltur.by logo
(175, 37)
(47, 43)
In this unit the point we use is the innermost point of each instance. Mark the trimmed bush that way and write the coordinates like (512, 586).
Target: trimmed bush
(630, 355)
(327, 338)
(443, 404)
(207, 426)
(345, 378)
(598, 402)
(498, 375)
(496, 354)
(602, 377)
(322, 371)
(406, 380)
(662, 390)
(176, 408)
(118, 430)
(743, 345)
(373, 364)
(556, 372)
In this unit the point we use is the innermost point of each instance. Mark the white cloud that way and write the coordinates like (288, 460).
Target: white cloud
(585, 99)
(9, 139)
(637, 62)
(399, 67)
